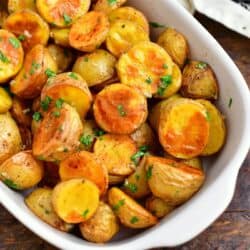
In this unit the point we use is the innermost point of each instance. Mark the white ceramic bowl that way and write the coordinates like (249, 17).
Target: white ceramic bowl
(192, 218)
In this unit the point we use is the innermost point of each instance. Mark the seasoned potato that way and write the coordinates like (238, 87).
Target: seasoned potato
(199, 81)
(116, 179)
(95, 68)
(115, 151)
(102, 226)
(108, 5)
(130, 213)
(26, 136)
(80, 205)
(57, 135)
(172, 181)
(29, 27)
(146, 66)
(60, 36)
(175, 44)
(30, 80)
(71, 88)
(120, 109)
(16, 5)
(121, 36)
(62, 13)
(21, 171)
(217, 132)
(10, 138)
(5, 101)
(89, 31)
(39, 202)
(11, 55)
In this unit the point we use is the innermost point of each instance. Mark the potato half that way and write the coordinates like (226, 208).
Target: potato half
(16, 5)
(108, 5)
(5, 101)
(60, 36)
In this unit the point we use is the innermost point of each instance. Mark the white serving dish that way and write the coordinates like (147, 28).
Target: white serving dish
(204, 208)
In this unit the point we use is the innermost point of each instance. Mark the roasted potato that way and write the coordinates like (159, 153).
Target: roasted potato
(115, 151)
(21, 171)
(60, 36)
(102, 226)
(11, 55)
(16, 5)
(39, 202)
(130, 213)
(145, 67)
(120, 109)
(116, 179)
(89, 31)
(80, 205)
(199, 81)
(5, 101)
(172, 181)
(108, 5)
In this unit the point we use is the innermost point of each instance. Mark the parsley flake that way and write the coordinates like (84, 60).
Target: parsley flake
(208, 116)
(99, 132)
(86, 140)
(119, 204)
(165, 81)
(59, 103)
(14, 42)
(121, 110)
(50, 73)
(148, 80)
(67, 19)
(157, 25)
(84, 214)
(149, 172)
(3, 58)
(45, 103)
(37, 116)
(133, 220)
(201, 65)
(56, 113)
(34, 66)
(21, 37)
(111, 2)
(137, 156)
(131, 186)
(10, 184)
(73, 75)
(230, 102)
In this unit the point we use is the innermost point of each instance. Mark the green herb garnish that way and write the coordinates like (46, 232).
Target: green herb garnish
(148, 80)
(59, 103)
(67, 19)
(14, 42)
(56, 113)
(86, 140)
(165, 81)
(11, 184)
(131, 186)
(21, 37)
(133, 220)
(45, 103)
(149, 172)
(157, 25)
(111, 2)
(3, 58)
(37, 116)
(121, 110)
(230, 102)
(34, 66)
(119, 204)
(73, 75)
(50, 73)
(99, 132)
(201, 65)
(208, 116)
(137, 156)
(165, 66)
(84, 215)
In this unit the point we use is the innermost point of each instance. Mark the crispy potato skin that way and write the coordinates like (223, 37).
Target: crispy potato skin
(22, 170)
(89, 31)
(102, 226)
(120, 109)
(39, 202)
(5, 101)
(16, 5)
(60, 36)
(107, 7)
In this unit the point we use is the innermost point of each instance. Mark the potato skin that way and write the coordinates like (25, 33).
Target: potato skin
(106, 6)
(116, 179)
(16, 5)
(26, 136)
(5, 101)
(60, 36)
(102, 226)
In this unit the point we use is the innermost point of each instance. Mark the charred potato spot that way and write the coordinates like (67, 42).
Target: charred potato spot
(108, 5)
(16, 5)
(60, 36)
(26, 136)
(5, 101)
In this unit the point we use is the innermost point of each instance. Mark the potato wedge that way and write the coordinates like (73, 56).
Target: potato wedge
(130, 213)
(60, 36)
(116, 179)
(5, 101)
(115, 151)
(145, 67)
(16, 5)
(80, 205)
(21, 171)
(120, 109)
(39, 202)
(29, 27)
(89, 31)
(102, 226)
(108, 5)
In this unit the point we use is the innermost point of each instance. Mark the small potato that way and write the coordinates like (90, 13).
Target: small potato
(26, 136)
(121, 36)
(32, 77)
(199, 81)
(102, 226)
(21, 171)
(11, 55)
(120, 109)
(172, 181)
(89, 31)
(175, 44)
(39, 202)
(115, 151)
(80, 205)
(16, 5)
(62, 13)
(60, 36)
(29, 27)
(5, 101)
(145, 66)
(95, 68)
(130, 213)
(116, 179)
(108, 5)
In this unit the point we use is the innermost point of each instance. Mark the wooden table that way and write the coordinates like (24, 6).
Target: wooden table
(230, 232)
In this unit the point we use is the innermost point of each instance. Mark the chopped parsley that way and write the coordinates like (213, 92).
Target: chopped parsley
(50, 73)
(84, 214)
(133, 220)
(208, 116)
(34, 66)
(37, 116)
(131, 186)
(59, 103)
(149, 172)
(119, 204)
(137, 156)
(56, 113)
(86, 140)
(11, 184)
(3, 58)
(21, 37)
(73, 75)
(99, 132)
(201, 65)
(165, 81)
(148, 80)
(45, 103)
(230, 102)
(14, 42)
(121, 110)
(111, 2)
(67, 19)
(157, 25)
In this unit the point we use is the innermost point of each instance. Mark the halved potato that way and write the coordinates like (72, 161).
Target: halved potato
(39, 202)
(29, 27)
(102, 226)
(130, 213)
(89, 31)
(21, 171)
(116, 179)
(16, 5)
(62, 13)
(5, 101)
(60, 36)
(115, 151)
(80, 205)
(120, 109)
(11, 55)
(108, 5)
(26, 136)
(144, 67)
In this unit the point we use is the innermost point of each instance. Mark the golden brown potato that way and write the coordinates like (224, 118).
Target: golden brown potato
(21, 171)
(115, 151)
(130, 213)
(120, 109)
(11, 55)
(89, 31)
(108, 5)
(95, 68)
(60, 36)
(172, 181)
(80, 205)
(29, 27)
(16, 5)
(116, 179)
(39, 202)
(26, 136)
(5, 101)
(146, 66)
(199, 81)
(30, 80)
(62, 13)
(175, 44)
(102, 226)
